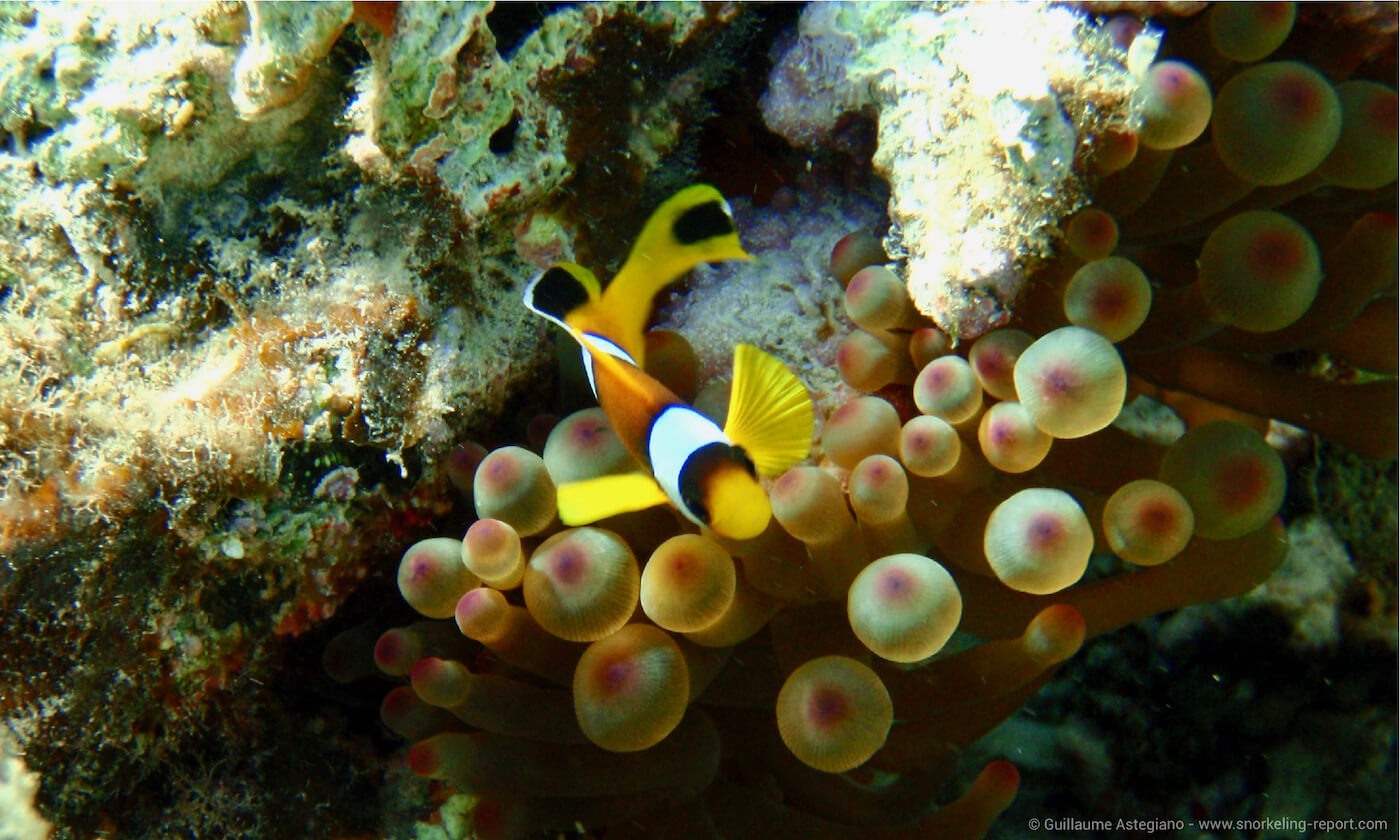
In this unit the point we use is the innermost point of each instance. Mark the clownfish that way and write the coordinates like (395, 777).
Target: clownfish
(707, 472)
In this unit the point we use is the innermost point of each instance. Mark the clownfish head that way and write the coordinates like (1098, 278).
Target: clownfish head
(720, 488)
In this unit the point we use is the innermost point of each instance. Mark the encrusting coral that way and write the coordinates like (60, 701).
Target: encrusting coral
(968, 489)
(982, 110)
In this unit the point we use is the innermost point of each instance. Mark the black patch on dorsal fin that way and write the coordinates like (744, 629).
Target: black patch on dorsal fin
(556, 293)
(701, 222)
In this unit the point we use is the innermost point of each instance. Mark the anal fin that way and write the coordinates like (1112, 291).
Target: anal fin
(582, 502)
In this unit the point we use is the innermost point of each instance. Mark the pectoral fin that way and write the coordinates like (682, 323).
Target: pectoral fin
(770, 412)
(582, 502)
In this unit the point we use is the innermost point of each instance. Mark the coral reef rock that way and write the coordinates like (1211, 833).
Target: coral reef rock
(983, 111)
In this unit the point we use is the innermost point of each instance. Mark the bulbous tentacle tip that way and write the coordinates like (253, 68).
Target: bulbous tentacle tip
(1055, 634)
(834, 713)
(631, 689)
(425, 759)
(853, 252)
(999, 781)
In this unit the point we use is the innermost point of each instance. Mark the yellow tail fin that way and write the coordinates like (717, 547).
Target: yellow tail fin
(770, 412)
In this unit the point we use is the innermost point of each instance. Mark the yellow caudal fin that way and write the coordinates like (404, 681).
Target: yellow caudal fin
(770, 413)
(582, 502)
(691, 227)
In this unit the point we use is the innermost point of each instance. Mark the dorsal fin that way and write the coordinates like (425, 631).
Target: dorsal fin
(691, 227)
(770, 412)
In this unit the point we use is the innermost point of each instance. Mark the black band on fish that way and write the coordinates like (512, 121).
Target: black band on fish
(698, 472)
(701, 222)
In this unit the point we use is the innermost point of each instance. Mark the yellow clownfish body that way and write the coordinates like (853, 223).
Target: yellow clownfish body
(711, 474)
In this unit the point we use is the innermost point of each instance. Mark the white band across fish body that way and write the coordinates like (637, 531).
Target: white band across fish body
(603, 345)
(676, 434)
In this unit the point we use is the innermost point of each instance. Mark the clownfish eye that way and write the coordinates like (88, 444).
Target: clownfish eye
(694, 499)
